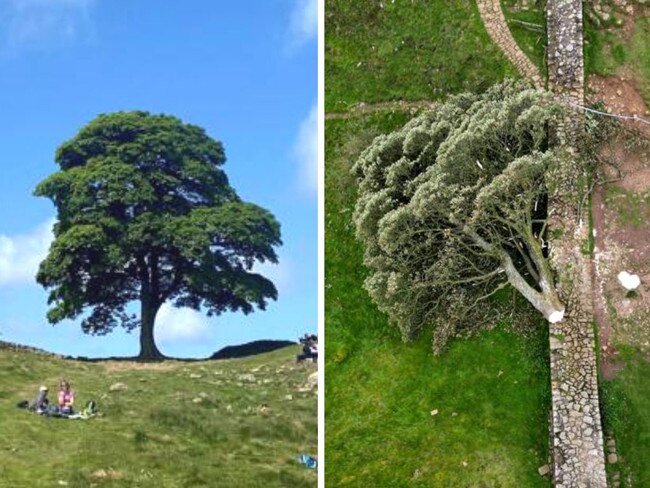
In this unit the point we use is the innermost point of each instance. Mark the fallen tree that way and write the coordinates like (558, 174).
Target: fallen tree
(452, 208)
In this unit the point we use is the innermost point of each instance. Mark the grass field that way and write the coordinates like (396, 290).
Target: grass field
(491, 390)
(154, 434)
(379, 51)
(626, 402)
(609, 53)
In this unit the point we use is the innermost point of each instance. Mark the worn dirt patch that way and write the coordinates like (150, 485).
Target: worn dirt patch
(619, 96)
(113, 366)
(620, 245)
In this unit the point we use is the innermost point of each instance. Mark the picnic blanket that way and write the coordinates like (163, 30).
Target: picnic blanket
(88, 412)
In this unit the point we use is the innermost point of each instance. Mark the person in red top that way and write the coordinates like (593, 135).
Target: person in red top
(66, 398)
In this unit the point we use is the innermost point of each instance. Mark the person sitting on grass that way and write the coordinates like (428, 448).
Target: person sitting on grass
(41, 403)
(309, 348)
(66, 398)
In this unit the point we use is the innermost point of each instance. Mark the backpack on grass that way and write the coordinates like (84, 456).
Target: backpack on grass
(90, 409)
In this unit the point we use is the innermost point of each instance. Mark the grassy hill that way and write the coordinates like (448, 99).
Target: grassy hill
(177, 424)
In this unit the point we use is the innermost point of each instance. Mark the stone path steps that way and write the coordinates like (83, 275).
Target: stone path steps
(497, 27)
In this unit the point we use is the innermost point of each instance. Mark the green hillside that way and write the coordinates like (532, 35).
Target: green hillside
(177, 424)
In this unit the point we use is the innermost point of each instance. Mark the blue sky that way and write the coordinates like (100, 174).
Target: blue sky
(245, 71)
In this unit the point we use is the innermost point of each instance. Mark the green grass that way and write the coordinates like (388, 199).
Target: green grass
(531, 42)
(380, 392)
(153, 434)
(639, 56)
(626, 406)
(421, 49)
(607, 53)
(632, 208)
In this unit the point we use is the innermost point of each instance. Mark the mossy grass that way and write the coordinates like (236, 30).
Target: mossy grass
(609, 52)
(632, 208)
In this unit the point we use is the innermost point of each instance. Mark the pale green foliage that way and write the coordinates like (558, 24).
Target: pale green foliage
(448, 200)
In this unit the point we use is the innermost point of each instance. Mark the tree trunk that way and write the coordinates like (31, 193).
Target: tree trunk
(546, 301)
(148, 349)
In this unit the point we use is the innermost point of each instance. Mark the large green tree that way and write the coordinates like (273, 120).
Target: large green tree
(145, 213)
(452, 208)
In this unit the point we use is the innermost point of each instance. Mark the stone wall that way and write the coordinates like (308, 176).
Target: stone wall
(564, 53)
(576, 429)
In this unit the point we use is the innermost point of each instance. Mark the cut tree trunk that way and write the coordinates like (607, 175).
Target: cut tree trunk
(148, 349)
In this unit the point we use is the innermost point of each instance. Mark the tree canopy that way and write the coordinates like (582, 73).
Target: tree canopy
(452, 208)
(145, 213)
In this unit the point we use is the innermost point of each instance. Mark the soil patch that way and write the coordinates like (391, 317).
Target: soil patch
(619, 96)
(116, 366)
(621, 234)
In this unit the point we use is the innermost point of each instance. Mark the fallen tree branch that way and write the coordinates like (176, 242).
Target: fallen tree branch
(528, 25)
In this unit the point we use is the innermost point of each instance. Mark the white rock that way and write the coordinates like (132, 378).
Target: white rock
(629, 281)
(556, 316)
(118, 387)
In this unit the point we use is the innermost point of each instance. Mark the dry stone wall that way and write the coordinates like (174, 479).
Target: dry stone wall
(564, 56)
(576, 430)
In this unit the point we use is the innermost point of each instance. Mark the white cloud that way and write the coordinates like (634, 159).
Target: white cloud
(174, 325)
(305, 150)
(43, 23)
(280, 274)
(180, 325)
(20, 255)
(303, 25)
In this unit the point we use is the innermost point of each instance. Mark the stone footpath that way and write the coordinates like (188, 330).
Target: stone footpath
(497, 27)
(576, 430)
